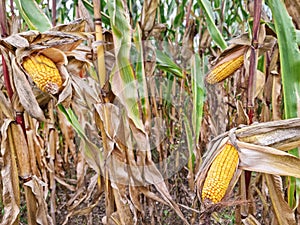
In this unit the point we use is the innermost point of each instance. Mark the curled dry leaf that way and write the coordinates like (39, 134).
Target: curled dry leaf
(281, 134)
(14, 42)
(74, 26)
(36, 186)
(110, 116)
(268, 160)
(250, 220)
(5, 106)
(187, 42)
(25, 93)
(148, 15)
(9, 176)
(284, 214)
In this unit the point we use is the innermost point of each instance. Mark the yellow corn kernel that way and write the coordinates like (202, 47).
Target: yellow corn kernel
(43, 72)
(220, 174)
(224, 70)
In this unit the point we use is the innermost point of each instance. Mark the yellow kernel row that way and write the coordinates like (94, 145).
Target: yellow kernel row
(43, 72)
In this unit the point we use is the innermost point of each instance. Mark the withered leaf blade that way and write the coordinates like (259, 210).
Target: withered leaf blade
(110, 116)
(152, 175)
(281, 134)
(9, 175)
(29, 35)
(14, 41)
(59, 40)
(250, 220)
(77, 25)
(66, 94)
(27, 98)
(84, 13)
(36, 185)
(283, 212)
(267, 160)
(148, 15)
(5, 106)
(187, 42)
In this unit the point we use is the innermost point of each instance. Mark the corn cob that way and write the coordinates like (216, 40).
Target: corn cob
(220, 174)
(43, 72)
(224, 70)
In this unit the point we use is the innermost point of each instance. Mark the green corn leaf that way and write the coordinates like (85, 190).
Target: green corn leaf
(190, 143)
(123, 81)
(212, 28)
(33, 15)
(198, 94)
(90, 8)
(289, 57)
(91, 152)
(290, 67)
(298, 36)
(140, 72)
(165, 63)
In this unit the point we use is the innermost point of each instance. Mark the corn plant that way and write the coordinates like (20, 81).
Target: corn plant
(147, 112)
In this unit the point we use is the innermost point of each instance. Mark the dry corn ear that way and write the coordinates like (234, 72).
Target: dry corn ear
(43, 72)
(224, 70)
(220, 174)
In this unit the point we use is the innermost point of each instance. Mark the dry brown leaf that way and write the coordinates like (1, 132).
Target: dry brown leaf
(281, 134)
(84, 13)
(135, 193)
(122, 204)
(127, 94)
(85, 90)
(14, 41)
(6, 107)
(74, 26)
(283, 212)
(57, 39)
(151, 194)
(242, 117)
(293, 7)
(250, 220)
(260, 83)
(9, 175)
(27, 98)
(36, 186)
(66, 95)
(110, 115)
(276, 96)
(267, 160)
(148, 15)
(153, 176)
(188, 41)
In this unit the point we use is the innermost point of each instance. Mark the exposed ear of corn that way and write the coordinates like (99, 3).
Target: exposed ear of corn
(224, 70)
(43, 72)
(220, 174)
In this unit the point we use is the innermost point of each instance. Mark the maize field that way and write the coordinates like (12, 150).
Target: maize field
(149, 112)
